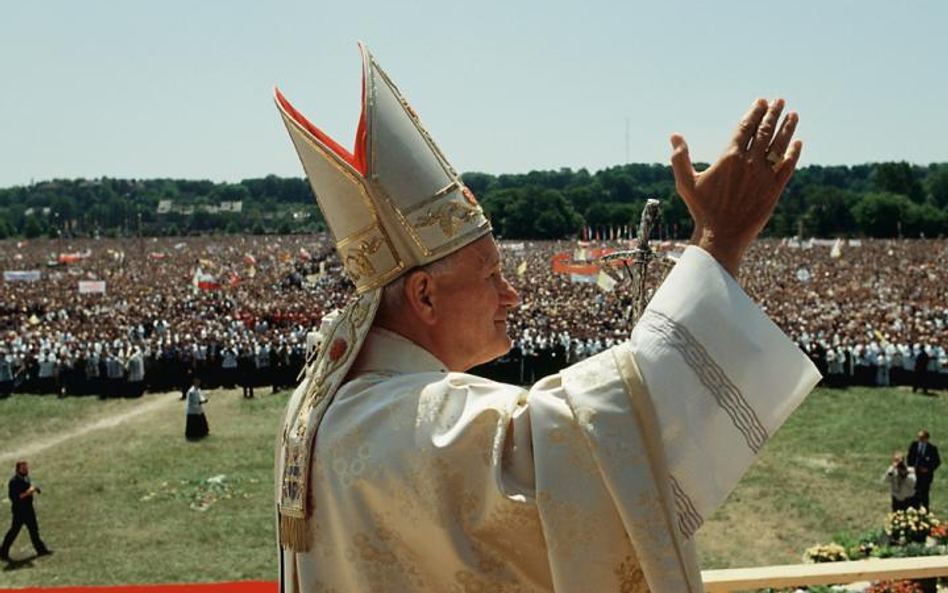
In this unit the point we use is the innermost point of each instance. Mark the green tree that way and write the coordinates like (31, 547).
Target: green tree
(937, 184)
(881, 214)
(925, 220)
(538, 213)
(33, 227)
(828, 211)
(898, 178)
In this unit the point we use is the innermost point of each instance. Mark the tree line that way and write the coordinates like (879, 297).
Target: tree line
(889, 199)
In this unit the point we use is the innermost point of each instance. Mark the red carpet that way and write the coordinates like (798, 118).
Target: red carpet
(238, 587)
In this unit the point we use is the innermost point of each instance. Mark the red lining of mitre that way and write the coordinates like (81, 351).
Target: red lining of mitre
(357, 160)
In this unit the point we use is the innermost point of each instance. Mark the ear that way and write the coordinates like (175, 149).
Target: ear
(420, 291)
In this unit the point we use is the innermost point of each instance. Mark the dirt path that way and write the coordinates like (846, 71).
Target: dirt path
(150, 406)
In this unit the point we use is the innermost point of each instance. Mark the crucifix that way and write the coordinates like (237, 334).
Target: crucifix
(635, 262)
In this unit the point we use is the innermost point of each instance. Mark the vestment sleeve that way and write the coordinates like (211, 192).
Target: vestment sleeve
(634, 448)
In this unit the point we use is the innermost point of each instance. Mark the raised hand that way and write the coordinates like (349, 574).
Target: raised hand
(732, 200)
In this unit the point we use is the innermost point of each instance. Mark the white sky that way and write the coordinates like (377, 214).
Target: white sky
(183, 88)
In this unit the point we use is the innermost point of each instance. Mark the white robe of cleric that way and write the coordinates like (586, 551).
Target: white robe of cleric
(594, 479)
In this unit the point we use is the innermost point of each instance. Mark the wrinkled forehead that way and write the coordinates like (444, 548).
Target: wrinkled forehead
(482, 253)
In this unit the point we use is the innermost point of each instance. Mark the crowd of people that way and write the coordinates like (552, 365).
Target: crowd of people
(232, 311)
(236, 310)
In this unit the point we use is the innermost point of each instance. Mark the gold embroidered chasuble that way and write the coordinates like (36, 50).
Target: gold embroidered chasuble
(594, 479)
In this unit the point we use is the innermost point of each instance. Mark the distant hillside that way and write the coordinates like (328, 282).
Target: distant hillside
(875, 200)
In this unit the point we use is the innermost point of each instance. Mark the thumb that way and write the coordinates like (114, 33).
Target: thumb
(681, 164)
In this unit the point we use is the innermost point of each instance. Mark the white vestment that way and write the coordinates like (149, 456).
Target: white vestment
(594, 479)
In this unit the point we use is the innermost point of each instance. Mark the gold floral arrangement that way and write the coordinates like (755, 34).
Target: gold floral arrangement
(825, 553)
(910, 525)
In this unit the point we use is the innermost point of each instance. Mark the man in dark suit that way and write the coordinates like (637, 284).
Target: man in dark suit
(21, 496)
(923, 456)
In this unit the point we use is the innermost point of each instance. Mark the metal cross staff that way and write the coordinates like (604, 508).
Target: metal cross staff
(640, 257)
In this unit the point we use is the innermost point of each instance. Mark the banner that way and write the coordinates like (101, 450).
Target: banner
(605, 281)
(71, 258)
(583, 278)
(22, 275)
(92, 287)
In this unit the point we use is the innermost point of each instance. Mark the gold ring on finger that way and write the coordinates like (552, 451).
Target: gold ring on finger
(774, 158)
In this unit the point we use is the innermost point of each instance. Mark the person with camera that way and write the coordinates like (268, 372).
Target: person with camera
(21, 493)
(901, 479)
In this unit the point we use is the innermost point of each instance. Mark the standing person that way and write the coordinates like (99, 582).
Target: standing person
(93, 372)
(902, 481)
(595, 478)
(245, 369)
(21, 492)
(6, 373)
(115, 373)
(136, 373)
(196, 426)
(229, 367)
(923, 457)
(920, 376)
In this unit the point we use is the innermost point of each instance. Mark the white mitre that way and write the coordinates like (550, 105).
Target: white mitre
(394, 203)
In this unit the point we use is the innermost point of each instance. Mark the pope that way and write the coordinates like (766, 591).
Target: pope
(398, 471)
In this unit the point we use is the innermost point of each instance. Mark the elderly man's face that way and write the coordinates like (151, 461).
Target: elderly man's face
(473, 301)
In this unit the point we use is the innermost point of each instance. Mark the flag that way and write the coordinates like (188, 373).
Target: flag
(204, 281)
(837, 251)
(605, 281)
(522, 268)
(880, 337)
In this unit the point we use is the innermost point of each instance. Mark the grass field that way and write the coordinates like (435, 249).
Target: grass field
(130, 503)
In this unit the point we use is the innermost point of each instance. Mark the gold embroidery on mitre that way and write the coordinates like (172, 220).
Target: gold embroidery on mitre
(357, 261)
(449, 216)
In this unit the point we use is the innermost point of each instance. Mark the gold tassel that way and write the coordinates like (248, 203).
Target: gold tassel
(293, 533)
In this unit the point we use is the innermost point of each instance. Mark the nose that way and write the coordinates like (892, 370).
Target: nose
(509, 297)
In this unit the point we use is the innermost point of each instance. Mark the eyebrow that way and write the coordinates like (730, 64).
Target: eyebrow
(489, 261)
